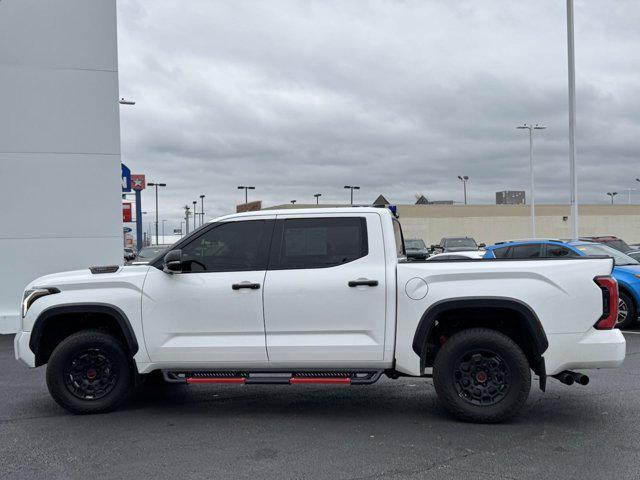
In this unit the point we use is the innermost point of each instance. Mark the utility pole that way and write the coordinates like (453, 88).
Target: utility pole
(531, 128)
(152, 184)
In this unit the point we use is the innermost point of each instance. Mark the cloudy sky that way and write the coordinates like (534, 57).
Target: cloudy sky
(398, 97)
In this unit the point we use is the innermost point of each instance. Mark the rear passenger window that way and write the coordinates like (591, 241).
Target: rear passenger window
(322, 242)
(501, 252)
(556, 251)
(526, 251)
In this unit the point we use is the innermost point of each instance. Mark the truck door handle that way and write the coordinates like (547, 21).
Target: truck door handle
(252, 286)
(363, 283)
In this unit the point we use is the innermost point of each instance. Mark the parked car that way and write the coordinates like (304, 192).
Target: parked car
(320, 296)
(635, 254)
(610, 241)
(129, 254)
(472, 254)
(146, 254)
(416, 248)
(456, 244)
(626, 270)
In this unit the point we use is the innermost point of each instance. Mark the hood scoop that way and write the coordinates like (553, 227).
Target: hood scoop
(104, 269)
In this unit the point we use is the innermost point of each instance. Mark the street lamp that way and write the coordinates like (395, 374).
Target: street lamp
(464, 179)
(246, 190)
(352, 188)
(317, 195)
(202, 210)
(629, 190)
(195, 214)
(152, 184)
(293, 202)
(532, 193)
(612, 194)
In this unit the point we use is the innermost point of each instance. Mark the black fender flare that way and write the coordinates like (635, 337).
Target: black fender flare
(103, 308)
(427, 322)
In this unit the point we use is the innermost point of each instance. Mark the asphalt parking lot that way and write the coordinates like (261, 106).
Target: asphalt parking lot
(393, 429)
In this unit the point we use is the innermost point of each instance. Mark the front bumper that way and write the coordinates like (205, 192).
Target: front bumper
(21, 349)
(593, 349)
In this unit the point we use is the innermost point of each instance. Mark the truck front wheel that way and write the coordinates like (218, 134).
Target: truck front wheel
(481, 375)
(90, 372)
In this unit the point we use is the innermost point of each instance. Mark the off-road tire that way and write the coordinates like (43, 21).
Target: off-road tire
(108, 377)
(511, 372)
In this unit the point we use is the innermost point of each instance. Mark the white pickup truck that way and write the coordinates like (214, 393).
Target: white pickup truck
(320, 296)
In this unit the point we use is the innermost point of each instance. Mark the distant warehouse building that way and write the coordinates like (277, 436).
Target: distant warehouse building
(494, 223)
(510, 197)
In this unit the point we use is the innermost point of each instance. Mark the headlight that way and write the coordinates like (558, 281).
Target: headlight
(31, 295)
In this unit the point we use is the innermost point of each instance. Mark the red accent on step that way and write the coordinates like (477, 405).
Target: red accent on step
(319, 380)
(215, 380)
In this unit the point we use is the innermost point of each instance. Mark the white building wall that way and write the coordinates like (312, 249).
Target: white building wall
(60, 207)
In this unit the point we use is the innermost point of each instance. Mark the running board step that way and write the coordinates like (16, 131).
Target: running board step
(272, 378)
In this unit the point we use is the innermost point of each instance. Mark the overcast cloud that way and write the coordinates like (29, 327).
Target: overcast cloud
(399, 97)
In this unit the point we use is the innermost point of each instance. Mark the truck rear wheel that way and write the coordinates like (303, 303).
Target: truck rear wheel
(481, 375)
(90, 372)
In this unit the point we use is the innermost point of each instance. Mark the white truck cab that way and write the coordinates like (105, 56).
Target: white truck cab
(320, 296)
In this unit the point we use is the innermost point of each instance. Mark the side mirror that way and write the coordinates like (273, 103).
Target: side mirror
(172, 262)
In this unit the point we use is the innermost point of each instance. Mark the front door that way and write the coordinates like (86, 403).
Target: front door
(324, 291)
(212, 312)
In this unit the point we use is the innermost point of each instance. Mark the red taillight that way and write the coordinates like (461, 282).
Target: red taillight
(609, 288)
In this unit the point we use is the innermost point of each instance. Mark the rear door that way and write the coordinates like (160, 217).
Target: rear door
(324, 296)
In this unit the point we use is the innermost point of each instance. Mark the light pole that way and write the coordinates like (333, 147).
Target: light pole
(612, 194)
(163, 231)
(464, 179)
(195, 214)
(352, 188)
(186, 219)
(629, 190)
(532, 193)
(246, 190)
(293, 202)
(317, 195)
(181, 232)
(152, 184)
(571, 60)
(201, 210)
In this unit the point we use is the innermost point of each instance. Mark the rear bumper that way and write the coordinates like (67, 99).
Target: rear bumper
(593, 349)
(21, 349)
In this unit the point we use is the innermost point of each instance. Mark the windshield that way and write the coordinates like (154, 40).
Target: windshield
(619, 258)
(619, 245)
(460, 242)
(415, 244)
(151, 252)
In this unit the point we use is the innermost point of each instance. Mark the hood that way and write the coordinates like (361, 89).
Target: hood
(76, 279)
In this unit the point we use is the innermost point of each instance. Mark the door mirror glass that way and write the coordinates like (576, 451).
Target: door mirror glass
(173, 262)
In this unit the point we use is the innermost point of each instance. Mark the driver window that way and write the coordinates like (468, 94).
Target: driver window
(228, 247)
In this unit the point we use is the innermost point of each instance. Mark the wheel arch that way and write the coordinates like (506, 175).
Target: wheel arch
(510, 316)
(56, 323)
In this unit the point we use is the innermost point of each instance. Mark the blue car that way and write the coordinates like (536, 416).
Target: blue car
(626, 269)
